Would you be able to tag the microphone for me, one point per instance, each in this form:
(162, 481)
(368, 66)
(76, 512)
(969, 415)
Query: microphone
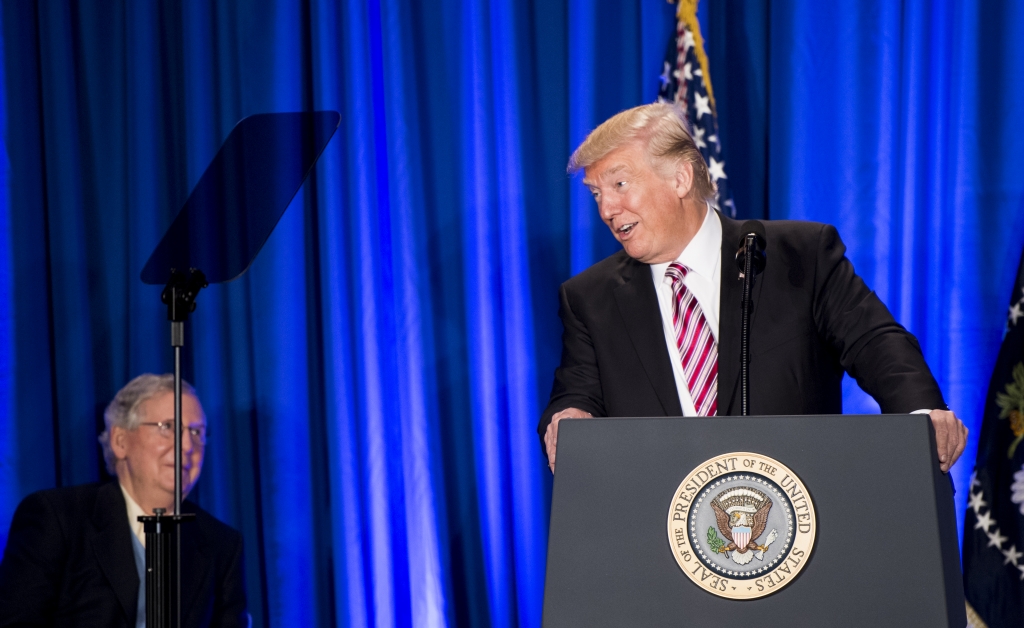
(751, 259)
(756, 229)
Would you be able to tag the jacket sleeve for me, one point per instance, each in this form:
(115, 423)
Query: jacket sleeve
(33, 565)
(872, 347)
(577, 380)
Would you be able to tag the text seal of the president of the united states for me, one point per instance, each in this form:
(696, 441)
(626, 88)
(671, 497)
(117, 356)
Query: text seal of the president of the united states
(741, 525)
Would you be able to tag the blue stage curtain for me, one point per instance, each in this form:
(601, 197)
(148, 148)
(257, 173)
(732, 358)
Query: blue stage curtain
(373, 383)
(899, 123)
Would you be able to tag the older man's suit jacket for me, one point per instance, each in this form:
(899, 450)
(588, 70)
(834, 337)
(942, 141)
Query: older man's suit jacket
(69, 562)
(813, 318)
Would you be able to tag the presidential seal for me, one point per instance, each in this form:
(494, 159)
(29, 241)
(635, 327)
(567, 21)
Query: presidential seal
(741, 525)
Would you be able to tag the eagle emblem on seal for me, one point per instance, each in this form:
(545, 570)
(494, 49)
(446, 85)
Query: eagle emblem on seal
(741, 514)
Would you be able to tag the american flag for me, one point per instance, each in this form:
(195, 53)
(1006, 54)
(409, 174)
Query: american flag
(685, 80)
(993, 550)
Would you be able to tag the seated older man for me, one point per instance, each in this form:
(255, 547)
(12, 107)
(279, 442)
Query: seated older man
(75, 556)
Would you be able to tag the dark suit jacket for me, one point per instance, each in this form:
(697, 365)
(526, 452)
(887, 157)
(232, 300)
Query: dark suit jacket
(69, 562)
(812, 319)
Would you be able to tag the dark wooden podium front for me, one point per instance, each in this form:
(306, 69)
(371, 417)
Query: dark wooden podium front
(886, 551)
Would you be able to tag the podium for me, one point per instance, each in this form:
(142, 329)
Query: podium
(884, 549)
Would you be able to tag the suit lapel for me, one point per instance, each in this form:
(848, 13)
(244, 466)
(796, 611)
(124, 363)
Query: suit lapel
(638, 304)
(113, 547)
(730, 319)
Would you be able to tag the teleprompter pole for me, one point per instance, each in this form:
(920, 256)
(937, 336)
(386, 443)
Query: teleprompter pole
(163, 531)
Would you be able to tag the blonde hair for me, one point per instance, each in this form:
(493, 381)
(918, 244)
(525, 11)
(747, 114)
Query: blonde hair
(665, 135)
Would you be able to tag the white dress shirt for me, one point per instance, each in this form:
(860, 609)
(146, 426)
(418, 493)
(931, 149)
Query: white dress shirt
(703, 257)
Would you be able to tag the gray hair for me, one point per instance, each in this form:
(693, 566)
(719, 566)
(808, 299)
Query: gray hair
(665, 135)
(124, 409)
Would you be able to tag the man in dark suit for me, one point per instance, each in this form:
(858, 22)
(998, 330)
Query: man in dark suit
(75, 556)
(654, 330)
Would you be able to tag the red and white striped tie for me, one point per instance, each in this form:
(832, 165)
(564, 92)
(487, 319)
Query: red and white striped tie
(695, 342)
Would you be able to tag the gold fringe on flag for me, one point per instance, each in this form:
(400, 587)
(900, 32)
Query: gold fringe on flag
(973, 619)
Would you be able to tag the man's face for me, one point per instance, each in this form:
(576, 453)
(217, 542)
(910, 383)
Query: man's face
(148, 451)
(642, 206)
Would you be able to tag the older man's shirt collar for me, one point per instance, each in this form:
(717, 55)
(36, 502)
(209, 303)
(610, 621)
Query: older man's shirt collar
(134, 512)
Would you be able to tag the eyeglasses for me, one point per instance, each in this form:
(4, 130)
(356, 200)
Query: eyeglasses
(166, 429)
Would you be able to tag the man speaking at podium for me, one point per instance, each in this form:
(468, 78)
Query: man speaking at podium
(75, 555)
(654, 330)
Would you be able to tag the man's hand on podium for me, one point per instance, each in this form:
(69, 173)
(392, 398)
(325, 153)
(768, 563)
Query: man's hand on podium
(950, 437)
(551, 435)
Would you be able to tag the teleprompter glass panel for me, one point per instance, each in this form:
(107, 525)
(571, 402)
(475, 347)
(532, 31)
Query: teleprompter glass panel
(242, 195)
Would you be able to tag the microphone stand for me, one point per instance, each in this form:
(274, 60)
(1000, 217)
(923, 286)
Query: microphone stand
(751, 260)
(748, 286)
(163, 531)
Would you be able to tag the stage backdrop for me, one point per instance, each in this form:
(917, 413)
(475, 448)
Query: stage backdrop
(373, 383)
